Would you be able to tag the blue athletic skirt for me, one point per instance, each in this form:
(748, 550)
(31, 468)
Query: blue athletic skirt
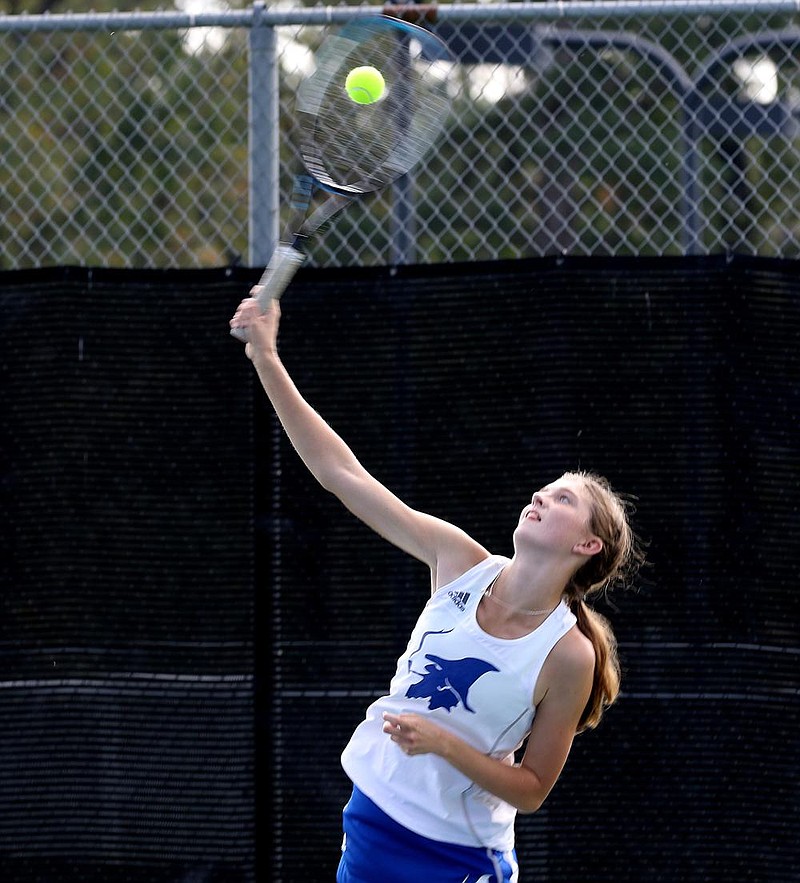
(376, 849)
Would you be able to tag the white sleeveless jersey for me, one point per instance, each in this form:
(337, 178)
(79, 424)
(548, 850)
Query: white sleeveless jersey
(479, 687)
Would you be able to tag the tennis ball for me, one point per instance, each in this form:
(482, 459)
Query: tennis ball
(365, 85)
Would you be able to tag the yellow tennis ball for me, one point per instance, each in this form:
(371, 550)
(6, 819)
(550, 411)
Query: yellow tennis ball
(365, 85)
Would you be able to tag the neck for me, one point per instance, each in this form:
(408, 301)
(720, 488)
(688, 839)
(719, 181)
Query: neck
(524, 591)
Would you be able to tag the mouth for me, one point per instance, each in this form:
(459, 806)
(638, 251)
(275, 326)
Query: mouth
(533, 515)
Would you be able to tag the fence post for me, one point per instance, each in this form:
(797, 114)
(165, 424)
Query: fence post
(263, 140)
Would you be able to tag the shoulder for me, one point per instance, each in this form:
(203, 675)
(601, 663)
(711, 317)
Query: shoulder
(569, 667)
(574, 650)
(457, 559)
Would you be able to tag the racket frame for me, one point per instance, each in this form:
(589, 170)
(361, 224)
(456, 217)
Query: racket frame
(289, 255)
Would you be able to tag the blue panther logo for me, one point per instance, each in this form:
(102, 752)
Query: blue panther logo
(446, 682)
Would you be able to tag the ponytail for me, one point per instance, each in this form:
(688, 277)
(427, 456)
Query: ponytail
(606, 678)
(617, 561)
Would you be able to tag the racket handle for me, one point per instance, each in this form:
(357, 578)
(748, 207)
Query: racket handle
(282, 266)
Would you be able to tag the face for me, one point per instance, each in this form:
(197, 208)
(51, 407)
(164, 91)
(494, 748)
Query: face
(558, 517)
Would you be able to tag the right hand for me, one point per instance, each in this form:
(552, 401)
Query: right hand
(262, 328)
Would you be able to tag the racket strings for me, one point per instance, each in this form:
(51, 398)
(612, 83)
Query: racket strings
(358, 148)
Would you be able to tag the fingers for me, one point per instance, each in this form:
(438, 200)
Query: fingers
(391, 724)
(402, 730)
(249, 311)
(242, 315)
(393, 727)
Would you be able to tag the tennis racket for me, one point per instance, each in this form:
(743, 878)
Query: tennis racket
(348, 149)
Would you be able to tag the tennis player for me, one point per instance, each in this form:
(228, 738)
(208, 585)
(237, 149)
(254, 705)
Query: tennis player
(506, 653)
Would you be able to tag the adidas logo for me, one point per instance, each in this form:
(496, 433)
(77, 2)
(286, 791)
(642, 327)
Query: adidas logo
(459, 599)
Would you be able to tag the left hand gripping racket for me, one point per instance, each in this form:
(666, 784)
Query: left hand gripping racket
(349, 149)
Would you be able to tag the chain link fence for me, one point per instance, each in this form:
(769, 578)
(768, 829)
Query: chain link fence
(656, 128)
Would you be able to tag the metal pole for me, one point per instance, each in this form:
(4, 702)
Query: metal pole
(681, 82)
(263, 140)
(527, 10)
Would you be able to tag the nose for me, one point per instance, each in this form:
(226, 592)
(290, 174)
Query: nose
(538, 500)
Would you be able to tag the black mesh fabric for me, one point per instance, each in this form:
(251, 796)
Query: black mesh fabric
(464, 389)
(146, 736)
(126, 645)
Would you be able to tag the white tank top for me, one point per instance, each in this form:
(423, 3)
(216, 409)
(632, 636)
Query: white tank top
(479, 687)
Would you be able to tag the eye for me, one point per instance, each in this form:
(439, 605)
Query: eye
(565, 498)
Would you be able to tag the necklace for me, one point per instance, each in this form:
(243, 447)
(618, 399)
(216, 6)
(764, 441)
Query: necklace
(488, 594)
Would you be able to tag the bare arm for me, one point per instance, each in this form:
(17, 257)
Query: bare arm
(442, 546)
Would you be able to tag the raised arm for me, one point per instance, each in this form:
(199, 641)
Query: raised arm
(446, 549)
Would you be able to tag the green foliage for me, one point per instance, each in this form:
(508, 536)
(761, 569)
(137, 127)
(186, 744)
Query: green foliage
(128, 149)
(127, 138)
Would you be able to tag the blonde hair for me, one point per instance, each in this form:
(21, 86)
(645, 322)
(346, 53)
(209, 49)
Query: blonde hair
(615, 563)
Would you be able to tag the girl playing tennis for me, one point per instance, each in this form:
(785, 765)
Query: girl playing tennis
(505, 651)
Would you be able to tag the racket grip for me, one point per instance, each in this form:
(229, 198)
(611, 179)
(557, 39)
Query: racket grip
(275, 279)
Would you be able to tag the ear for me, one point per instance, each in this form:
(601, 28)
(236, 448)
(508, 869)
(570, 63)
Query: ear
(588, 547)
